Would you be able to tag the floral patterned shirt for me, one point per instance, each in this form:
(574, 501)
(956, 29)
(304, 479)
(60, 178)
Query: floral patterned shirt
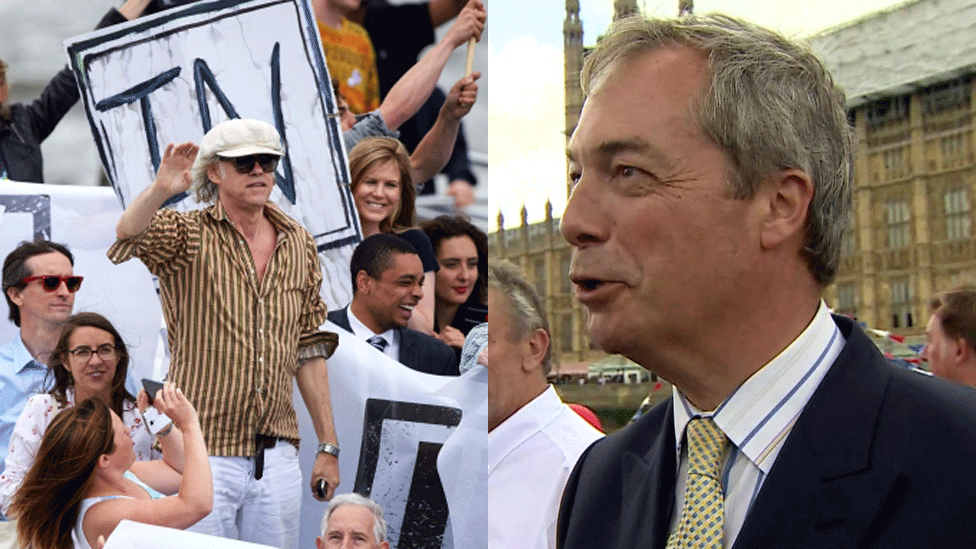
(26, 439)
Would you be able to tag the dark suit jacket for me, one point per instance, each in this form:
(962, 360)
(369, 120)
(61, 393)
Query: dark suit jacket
(418, 351)
(881, 456)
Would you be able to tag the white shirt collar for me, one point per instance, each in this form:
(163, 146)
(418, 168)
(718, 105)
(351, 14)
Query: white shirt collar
(391, 336)
(518, 427)
(761, 412)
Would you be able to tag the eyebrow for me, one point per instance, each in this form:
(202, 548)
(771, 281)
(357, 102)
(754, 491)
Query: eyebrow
(633, 144)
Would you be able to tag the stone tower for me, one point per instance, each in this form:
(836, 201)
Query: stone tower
(624, 8)
(573, 61)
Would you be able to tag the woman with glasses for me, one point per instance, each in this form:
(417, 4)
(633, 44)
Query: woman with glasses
(89, 360)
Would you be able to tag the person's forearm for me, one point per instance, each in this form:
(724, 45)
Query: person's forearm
(413, 88)
(173, 451)
(140, 212)
(133, 8)
(434, 150)
(313, 384)
(196, 490)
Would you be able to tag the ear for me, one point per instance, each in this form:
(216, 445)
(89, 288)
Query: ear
(538, 343)
(362, 281)
(963, 352)
(104, 461)
(14, 294)
(213, 173)
(788, 198)
(318, 543)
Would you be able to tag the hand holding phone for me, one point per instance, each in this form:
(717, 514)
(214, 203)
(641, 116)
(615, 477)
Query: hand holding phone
(156, 421)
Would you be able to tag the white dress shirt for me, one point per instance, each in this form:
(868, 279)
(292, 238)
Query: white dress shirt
(530, 456)
(391, 336)
(758, 417)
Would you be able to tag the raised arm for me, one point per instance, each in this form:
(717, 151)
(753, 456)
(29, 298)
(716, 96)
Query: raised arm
(434, 150)
(172, 178)
(195, 497)
(413, 88)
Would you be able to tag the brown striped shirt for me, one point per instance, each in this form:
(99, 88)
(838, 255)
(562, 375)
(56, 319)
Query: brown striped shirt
(235, 343)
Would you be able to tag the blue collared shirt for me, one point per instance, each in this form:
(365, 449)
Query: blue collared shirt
(21, 377)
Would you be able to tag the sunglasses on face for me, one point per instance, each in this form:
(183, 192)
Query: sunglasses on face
(51, 283)
(244, 164)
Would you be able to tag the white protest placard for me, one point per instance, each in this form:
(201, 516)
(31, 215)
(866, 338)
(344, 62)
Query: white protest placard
(84, 219)
(170, 77)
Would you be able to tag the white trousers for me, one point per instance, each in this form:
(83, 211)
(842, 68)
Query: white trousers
(265, 511)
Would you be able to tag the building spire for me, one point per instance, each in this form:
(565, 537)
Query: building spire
(573, 62)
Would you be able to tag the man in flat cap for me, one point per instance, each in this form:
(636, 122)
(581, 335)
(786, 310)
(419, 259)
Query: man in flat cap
(239, 282)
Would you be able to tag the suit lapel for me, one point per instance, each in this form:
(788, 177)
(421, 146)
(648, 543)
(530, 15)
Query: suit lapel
(408, 353)
(648, 489)
(823, 483)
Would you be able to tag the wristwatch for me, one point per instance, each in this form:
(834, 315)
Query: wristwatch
(328, 448)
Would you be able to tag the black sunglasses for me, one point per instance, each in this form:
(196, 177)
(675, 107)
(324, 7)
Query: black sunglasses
(51, 283)
(244, 164)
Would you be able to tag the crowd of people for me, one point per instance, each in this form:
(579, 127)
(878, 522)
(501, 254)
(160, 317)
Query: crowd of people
(240, 288)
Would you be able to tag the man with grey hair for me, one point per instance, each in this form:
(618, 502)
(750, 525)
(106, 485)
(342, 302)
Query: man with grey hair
(712, 181)
(352, 520)
(533, 438)
(239, 283)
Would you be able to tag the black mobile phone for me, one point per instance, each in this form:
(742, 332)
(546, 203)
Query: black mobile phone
(152, 387)
(321, 487)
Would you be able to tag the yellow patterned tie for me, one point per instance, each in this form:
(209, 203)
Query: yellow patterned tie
(702, 521)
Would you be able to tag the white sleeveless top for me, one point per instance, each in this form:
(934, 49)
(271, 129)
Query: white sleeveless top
(81, 542)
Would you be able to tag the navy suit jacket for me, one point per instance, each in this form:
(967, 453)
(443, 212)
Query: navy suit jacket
(418, 351)
(881, 456)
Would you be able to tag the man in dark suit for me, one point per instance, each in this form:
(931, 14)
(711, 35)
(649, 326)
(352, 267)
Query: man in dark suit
(712, 173)
(386, 279)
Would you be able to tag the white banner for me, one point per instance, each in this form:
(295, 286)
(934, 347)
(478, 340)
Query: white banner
(411, 441)
(170, 77)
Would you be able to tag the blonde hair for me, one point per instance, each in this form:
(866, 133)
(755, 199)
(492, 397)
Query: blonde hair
(373, 151)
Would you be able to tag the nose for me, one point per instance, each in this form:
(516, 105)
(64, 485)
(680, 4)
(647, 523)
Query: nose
(465, 273)
(417, 291)
(63, 289)
(583, 221)
(256, 168)
(95, 359)
(924, 354)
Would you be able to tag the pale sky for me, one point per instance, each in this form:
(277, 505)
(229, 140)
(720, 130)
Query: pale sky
(526, 146)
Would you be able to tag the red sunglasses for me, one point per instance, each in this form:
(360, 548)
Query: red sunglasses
(51, 283)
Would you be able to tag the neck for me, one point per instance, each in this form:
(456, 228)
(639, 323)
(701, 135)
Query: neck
(108, 482)
(250, 222)
(369, 229)
(706, 388)
(82, 394)
(40, 339)
(363, 315)
(522, 394)
(326, 14)
(444, 313)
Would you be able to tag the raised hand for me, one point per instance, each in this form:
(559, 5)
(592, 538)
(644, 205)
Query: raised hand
(461, 97)
(469, 23)
(173, 176)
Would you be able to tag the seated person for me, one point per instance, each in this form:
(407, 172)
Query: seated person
(89, 360)
(460, 295)
(86, 478)
(387, 276)
(352, 520)
(384, 197)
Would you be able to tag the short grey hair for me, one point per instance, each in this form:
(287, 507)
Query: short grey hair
(352, 498)
(770, 104)
(527, 311)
